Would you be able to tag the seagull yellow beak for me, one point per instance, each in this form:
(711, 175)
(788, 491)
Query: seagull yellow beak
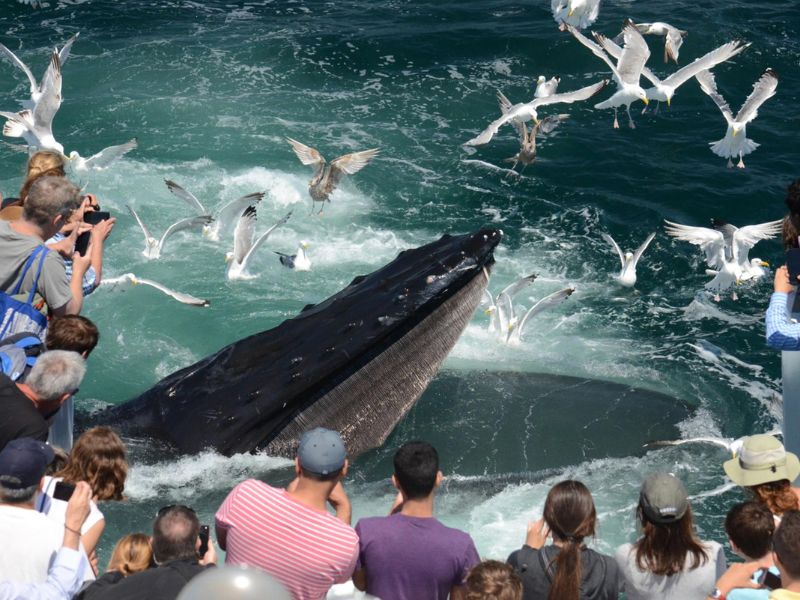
(735, 132)
(669, 102)
(764, 263)
(646, 101)
(571, 11)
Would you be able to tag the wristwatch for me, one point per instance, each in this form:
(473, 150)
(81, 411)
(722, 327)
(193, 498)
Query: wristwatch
(717, 594)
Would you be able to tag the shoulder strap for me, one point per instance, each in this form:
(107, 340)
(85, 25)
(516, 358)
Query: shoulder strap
(25, 268)
(547, 564)
(35, 285)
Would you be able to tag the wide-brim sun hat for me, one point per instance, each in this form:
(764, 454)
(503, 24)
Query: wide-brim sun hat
(762, 459)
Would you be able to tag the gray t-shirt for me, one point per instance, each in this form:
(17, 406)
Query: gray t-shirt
(15, 248)
(687, 585)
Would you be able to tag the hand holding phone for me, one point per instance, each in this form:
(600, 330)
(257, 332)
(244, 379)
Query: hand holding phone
(203, 535)
(793, 264)
(63, 491)
(92, 218)
(769, 580)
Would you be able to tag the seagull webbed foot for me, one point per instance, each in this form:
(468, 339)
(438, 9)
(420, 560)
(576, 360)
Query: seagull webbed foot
(740, 164)
(730, 163)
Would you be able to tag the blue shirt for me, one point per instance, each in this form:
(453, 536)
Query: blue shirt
(64, 579)
(782, 334)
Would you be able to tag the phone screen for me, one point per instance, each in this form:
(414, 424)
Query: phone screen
(63, 491)
(93, 218)
(770, 580)
(793, 264)
(204, 533)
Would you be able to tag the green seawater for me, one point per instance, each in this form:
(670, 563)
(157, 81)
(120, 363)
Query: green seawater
(211, 89)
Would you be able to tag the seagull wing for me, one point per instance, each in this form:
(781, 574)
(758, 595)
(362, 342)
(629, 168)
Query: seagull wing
(615, 51)
(746, 237)
(616, 247)
(512, 290)
(711, 241)
(306, 154)
(63, 54)
(709, 85)
(551, 122)
(673, 43)
(505, 106)
(583, 93)
(486, 299)
(190, 223)
(634, 55)
(705, 62)
(262, 238)
(187, 197)
(352, 163)
(485, 136)
(640, 250)
(180, 297)
(50, 101)
(595, 48)
(106, 156)
(113, 281)
(545, 303)
(723, 443)
(244, 233)
(234, 209)
(145, 231)
(16, 61)
(763, 90)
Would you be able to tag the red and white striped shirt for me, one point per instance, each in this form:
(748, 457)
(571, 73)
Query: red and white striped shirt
(306, 550)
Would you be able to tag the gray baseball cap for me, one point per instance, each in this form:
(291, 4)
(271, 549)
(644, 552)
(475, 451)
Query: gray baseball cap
(321, 451)
(663, 498)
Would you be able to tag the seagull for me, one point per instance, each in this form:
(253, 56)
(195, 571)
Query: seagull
(664, 90)
(731, 445)
(226, 218)
(153, 247)
(735, 142)
(546, 87)
(726, 248)
(627, 276)
(673, 37)
(36, 125)
(626, 72)
(103, 159)
(577, 13)
(516, 328)
(501, 308)
(298, 261)
(327, 176)
(36, 88)
(243, 245)
(131, 279)
(524, 112)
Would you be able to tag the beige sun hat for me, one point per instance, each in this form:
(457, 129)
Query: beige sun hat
(762, 459)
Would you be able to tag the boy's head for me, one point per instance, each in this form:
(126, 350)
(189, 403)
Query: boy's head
(74, 333)
(786, 546)
(416, 470)
(750, 526)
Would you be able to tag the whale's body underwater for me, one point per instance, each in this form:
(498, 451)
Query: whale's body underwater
(356, 362)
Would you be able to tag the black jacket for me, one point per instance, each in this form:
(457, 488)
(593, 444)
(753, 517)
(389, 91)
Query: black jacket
(536, 568)
(161, 583)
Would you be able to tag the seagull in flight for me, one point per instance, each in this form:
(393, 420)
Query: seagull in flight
(524, 112)
(626, 72)
(735, 142)
(546, 87)
(103, 159)
(243, 245)
(629, 260)
(131, 279)
(516, 327)
(327, 175)
(577, 13)
(298, 261)
(726, 248)
(226, 218)
(673, 37)
(501, 307)
(153, 247)
(734, 446)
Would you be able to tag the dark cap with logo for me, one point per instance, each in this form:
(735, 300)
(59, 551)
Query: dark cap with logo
(663, 498)
(23, 463)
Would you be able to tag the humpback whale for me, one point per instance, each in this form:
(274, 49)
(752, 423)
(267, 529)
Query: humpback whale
(357, 362)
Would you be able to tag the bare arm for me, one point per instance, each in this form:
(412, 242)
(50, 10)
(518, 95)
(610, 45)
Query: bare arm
(458, 592)
(360, 579)
(341, 503)
(92, 536)
(79, 266)
(100, 233)
(222, 535)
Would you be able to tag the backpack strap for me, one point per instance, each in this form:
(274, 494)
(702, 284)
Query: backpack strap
(35, 285)
(28, 263)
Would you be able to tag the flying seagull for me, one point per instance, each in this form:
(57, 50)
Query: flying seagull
(578, 13)
(546, 87)
(673, 37)
(629, 260)
(131, 279)
(626, 72)
(243, 245)
(226, 218)
(516, 328)
(153, 247)
(327, 176)
(735, 142)
(298, 261)
(726, 248)
(103, 159)
(524, 112)
(501, 307)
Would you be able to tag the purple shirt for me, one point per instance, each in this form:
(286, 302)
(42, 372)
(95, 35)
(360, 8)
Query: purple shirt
(413, 558)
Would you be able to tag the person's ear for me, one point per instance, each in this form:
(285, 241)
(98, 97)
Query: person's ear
(297, 466)
(41, 484)
(85, 354)
(439, 478)
(395, 484)
(345, 466)
(64, 398)
(58, 221)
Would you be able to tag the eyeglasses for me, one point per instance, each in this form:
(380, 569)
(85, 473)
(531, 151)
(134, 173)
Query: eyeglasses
(75, 391)
(164, 509)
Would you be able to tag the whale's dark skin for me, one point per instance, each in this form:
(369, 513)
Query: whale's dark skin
(356, 362)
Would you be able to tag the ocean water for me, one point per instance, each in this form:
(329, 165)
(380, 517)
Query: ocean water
(211, 89)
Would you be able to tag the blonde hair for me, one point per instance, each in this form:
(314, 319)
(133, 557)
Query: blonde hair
(44, 163)
(98, 457)
(132, 554)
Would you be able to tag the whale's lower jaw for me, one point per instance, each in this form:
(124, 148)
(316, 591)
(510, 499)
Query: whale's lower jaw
(367, 406)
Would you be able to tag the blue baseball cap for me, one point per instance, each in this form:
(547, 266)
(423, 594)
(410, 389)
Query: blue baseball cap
(321, 451)
(23, 462)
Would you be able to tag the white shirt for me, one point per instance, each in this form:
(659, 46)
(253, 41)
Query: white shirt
(63, 581)
(61, 426)
(57, 509)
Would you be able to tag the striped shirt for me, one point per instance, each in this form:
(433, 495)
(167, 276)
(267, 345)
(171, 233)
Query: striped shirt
(306, 550)
(782, 334)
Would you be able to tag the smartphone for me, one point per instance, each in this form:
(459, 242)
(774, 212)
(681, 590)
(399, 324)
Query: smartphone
(793, 264)
(203, 535)
(93, 218)
(63, 491)
(769, 580)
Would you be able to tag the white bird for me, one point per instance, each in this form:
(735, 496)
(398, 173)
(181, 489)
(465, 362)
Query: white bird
(524, 112)
(735, 142)
(726, 248)
(516, 327)
(629, 260)
(664, 90)
(243, 245)
(298, 261)
(501, 308)
(36, 125)
(152, 246)
(578, 13)
(626, 72)
(327, 176)
(546, 87)
(673, 37)
(131, 279)
(36, 88)
(103, 159)
(734, 446)
(226, 217)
